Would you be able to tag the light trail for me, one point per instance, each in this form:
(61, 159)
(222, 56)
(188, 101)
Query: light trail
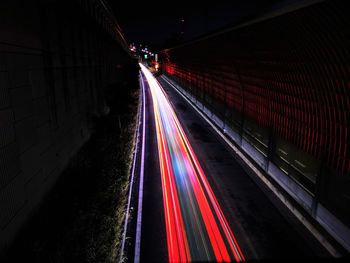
(196, 227)
(142, 167)
(281, 196)
(137, 140)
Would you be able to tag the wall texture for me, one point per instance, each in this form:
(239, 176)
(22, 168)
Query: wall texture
(281, 84)
(56, 58)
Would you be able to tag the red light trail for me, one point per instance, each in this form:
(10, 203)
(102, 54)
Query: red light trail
(196, 228)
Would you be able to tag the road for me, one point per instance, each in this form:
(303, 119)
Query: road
(199, 203)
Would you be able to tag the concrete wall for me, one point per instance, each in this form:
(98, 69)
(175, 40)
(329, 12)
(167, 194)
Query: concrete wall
(55, 61)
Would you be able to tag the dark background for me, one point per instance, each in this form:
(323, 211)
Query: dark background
(159, 24)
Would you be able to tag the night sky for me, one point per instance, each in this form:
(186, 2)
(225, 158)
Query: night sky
(162, 25)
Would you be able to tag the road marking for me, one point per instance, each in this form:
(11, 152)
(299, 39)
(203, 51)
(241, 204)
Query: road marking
(301, 164)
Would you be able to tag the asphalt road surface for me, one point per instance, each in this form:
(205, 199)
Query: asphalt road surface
(199, 203)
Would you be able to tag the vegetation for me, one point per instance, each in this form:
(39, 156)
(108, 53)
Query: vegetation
(82, 218)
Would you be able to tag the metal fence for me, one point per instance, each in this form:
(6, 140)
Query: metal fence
(282, 83)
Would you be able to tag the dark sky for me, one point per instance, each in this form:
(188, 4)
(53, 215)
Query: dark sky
(152, 23)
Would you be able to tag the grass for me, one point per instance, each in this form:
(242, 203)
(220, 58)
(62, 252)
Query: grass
(110, 201)
(81, 219)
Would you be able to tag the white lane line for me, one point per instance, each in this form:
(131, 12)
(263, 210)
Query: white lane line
(329, 247)
(127, 214)
(139, 205)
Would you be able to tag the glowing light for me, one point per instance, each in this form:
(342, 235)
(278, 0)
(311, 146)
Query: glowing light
(196, 227)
